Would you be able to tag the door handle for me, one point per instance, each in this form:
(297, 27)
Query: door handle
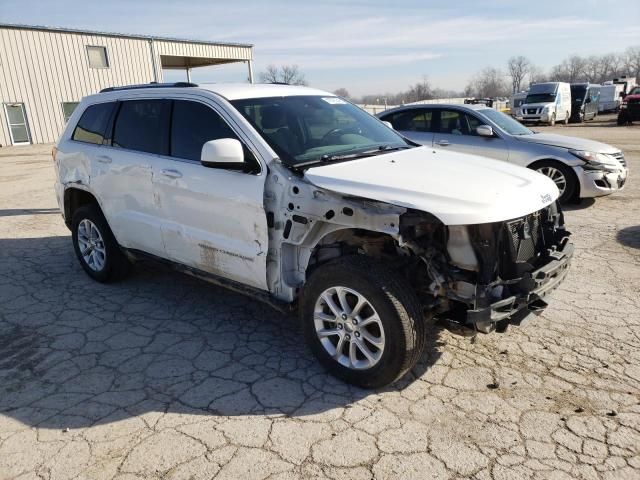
(171, 173)
(104, 159)
(444, 143)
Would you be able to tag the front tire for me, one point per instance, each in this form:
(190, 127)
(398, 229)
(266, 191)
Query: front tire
(552, 122)
(362, 321)
(566, 118)
(96, 248)
(562, 176)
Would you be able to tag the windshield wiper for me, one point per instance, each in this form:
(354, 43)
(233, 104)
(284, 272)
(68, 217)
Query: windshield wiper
(365, 153)
(325, 159)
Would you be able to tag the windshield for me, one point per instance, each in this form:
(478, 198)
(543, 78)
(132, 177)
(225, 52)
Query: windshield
(505, 122)
(634, 91)
(578, 92)
(541, 98)
(305, 129)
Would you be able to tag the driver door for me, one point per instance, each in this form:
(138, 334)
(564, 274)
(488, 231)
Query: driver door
(213, 219)
(456, 130)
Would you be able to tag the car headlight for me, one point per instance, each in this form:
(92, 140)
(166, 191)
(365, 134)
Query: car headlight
(596, 161)
(545, 110)
(623, 105)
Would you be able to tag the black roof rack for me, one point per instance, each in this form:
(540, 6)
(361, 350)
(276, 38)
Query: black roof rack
(150, 85)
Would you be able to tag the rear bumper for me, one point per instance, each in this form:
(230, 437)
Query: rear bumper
(535, 285)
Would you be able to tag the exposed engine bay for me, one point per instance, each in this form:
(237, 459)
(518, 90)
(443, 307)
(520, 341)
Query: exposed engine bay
(477, 274)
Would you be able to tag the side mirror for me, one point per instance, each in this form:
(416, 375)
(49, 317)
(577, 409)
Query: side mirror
(621, 95)
(484, 131)
(587, 100)
(223, 151)
(388, 124)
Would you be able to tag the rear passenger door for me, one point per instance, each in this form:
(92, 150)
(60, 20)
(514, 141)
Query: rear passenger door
(415, 124)
(456, 130)
(122, 173)
(213, 219)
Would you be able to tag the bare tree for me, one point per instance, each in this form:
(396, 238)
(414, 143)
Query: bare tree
(342, 92)
(289, 74)
(270, 75)
(592, 68)
(518, 68)
(420, 91)
(489, 82)
(611, 65)
(536, 75)
(570, 70)
(632, 61)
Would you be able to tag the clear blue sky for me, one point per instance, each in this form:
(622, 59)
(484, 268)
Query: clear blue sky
(371, 46)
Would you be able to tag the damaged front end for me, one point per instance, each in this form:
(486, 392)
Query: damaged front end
(484, 274)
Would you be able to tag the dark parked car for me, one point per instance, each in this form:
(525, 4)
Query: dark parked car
(630, 107)
(585, 98)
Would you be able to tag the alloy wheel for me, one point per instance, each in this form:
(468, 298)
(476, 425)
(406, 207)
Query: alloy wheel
(349, 328)
(91, 245)
(557, 176)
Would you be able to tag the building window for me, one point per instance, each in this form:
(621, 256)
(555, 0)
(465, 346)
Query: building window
(97, 57)
(67, 109)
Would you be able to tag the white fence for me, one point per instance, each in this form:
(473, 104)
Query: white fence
(499, 105)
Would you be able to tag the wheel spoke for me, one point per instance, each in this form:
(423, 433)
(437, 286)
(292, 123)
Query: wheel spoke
(353, 357)
(361, 303)
(342, 298)
(323, 317)
(339, 347)
(327, 332)
(365, 351)
(369, 320)
(331, 304)
(377, 342)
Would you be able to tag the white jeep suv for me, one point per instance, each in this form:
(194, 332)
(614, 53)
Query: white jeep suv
(301, 199)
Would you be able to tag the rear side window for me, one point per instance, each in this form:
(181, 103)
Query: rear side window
(143, 125)
(192, 125)
(415, 120)
(93, 123)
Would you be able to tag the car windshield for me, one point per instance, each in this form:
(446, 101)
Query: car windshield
(308, 129)
(505, 122)
(541, 98)
(634, 91)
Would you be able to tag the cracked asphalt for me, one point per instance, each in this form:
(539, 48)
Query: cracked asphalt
(164, 376)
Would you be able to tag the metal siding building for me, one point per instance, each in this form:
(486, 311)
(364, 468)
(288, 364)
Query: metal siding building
(45, 71)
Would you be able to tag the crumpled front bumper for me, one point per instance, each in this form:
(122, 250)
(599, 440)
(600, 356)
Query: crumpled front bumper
(596, 183)
(535, 285)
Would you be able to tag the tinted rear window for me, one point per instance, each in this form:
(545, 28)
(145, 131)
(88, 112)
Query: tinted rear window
(143, 125)
(93, 123)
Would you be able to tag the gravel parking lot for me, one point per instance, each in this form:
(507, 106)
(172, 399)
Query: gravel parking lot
(164, 376)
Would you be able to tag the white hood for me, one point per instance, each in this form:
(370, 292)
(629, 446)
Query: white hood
(568, 142)
(458, 189)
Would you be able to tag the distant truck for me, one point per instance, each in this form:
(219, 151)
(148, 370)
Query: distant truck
(610, 97)
(627, 82)
(515, 102)
(548, 102)
(630, 107)
(584, 101)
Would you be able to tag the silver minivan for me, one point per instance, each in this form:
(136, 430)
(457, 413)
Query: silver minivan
(580, 168)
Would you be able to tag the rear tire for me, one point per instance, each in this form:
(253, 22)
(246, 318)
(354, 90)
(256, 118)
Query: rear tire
(336, 329)
(96, 248)
(562, 175)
